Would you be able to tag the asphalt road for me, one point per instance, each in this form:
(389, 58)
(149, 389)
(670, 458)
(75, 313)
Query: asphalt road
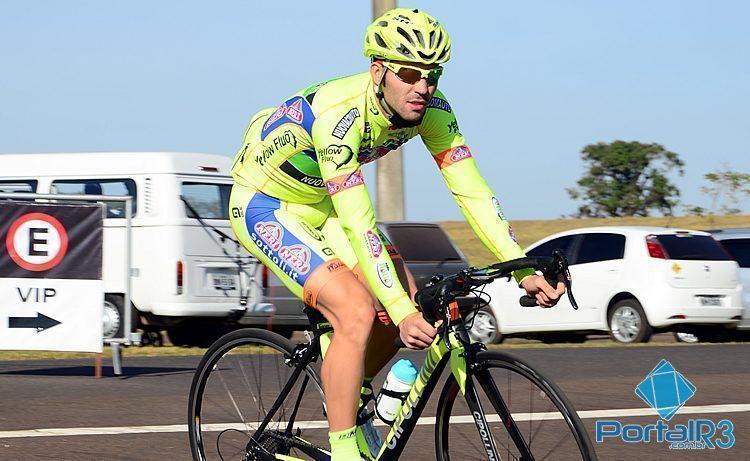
(153, 392)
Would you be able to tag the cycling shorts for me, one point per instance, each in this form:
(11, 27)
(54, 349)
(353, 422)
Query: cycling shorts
(304, 245)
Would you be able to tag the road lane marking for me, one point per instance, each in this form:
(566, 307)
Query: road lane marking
(322, 424)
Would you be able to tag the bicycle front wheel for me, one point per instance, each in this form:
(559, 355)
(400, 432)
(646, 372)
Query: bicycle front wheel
(528, 416)
(234, 388)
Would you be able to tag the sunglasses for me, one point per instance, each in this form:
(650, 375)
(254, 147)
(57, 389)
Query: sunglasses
(412, 75)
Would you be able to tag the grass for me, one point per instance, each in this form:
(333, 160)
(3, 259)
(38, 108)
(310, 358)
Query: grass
(529, 232)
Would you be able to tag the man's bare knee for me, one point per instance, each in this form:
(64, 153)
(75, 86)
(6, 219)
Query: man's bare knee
(349, 307)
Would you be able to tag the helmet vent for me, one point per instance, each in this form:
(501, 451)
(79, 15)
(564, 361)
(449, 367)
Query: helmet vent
(442, 55)
(439, 39)
(405, 51)
(419, 36)
(405, 35)
(426, 56)
(383, 23)
(432, 38)
(379, 40)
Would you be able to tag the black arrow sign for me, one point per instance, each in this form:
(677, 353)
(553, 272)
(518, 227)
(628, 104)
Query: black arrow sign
(40, 322)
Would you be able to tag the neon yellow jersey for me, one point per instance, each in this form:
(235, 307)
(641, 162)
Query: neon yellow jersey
(310, 151)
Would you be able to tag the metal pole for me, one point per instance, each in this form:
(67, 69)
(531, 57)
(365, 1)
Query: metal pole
(389, 169)
(128, 270)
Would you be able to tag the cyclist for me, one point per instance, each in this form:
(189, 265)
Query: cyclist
(300, 205)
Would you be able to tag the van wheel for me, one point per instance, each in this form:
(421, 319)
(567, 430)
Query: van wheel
(484, 327)
(113, 319)
(628, 323)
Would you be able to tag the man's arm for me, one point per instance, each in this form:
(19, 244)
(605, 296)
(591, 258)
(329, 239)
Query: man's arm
(343, 177)
(482, 210)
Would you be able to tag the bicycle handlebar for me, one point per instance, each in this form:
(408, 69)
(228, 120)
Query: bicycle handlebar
(437, 294)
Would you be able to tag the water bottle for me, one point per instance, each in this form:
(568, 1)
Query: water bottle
(396, 387)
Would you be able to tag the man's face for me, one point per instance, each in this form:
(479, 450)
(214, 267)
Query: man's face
(409, 101)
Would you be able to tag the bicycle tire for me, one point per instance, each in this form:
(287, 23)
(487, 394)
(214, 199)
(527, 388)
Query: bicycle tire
(238, 338)
(500, 360)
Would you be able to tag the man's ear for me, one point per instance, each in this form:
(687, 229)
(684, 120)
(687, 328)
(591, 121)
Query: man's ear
(376, 71)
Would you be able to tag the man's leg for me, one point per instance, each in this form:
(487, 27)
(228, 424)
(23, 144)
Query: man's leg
(299, 255)
(349, 307)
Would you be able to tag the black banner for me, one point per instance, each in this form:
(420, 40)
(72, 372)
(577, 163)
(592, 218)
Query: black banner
(54, 241)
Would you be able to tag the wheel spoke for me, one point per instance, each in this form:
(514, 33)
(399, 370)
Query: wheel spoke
(538, 414)
(234, 379)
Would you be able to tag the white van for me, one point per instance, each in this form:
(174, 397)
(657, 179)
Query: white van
(181, 270)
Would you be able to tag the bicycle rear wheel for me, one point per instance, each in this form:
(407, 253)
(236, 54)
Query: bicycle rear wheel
(541, 417)
(233, 389)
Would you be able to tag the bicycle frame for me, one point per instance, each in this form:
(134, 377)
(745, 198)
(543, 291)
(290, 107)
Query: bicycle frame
(454, 347)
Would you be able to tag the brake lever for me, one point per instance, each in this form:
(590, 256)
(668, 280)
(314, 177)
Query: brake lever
(563, 275)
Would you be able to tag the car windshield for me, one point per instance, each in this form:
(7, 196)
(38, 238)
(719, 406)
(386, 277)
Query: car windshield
(692, 247)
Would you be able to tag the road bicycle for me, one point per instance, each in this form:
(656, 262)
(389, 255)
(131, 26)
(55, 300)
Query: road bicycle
(492, 405)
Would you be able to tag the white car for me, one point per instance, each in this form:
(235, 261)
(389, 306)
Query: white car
(629, 281)
(737, 243)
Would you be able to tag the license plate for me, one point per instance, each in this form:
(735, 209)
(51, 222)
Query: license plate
(707, 301)
(224, 282)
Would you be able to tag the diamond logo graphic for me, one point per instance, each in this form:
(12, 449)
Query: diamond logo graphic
(665, 390)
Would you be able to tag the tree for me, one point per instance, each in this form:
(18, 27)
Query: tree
(626, 179)
(725, 189)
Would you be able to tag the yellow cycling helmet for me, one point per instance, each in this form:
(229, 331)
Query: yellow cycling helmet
(411, 35)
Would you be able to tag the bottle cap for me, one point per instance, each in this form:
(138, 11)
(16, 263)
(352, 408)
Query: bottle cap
(405, 371)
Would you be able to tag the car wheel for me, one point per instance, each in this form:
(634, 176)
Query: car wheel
(484, 327)
(628, 323)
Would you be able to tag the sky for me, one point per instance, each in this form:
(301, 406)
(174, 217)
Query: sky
(531, 82)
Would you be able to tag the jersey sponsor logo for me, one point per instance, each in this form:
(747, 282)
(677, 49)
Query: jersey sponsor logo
(332, 187)
(297, 256)
(335, 265)
(294, 112)
(271, 233)
(385, 275)
(439, 103)
(460, 153)
(394, 141)
(374, 244)
(338, 155)
(450, 156)
(310, 181)
(512, 234)
(287, 138)
(346, 122)
(280, 112)
(266, 153)
(336, 185)
(498, 208)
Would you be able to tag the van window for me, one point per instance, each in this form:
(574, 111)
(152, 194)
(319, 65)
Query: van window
(600, 247)
(122, 187)
(21, 185)
(692, 247)
(210, 200)
(739, 249)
